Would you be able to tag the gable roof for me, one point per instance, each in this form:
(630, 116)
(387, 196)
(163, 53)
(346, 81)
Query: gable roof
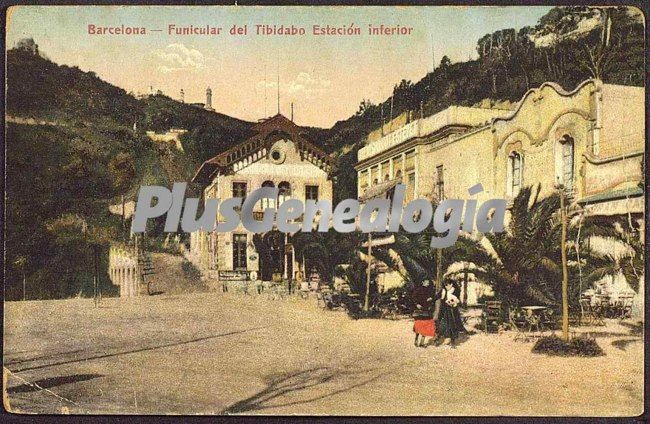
(248, 151)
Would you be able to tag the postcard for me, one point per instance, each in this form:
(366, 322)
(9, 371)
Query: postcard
(325, 210)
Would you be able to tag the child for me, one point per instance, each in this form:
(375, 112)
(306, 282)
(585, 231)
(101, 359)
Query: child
(423, 326)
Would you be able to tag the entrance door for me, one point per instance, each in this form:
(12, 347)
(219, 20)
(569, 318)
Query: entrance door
(273, 261)
(239, 252)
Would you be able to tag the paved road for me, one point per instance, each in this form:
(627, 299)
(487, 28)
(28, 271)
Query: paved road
(215, 353)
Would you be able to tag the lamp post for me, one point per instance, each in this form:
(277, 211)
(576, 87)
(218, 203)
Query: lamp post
(21, 263)
(565, 273)
(366, 301)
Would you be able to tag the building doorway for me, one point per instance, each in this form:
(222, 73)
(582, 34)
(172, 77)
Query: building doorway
(273, 261)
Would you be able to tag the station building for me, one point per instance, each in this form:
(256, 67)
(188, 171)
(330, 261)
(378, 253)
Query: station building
(280, 155)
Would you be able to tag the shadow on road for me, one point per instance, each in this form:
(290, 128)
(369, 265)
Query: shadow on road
(636, 328)
(144, 349)
(48, 383)
(38, 358)
(622, 344)
(286, 384)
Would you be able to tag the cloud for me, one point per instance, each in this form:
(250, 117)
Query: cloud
(178, 57)
(303, 84)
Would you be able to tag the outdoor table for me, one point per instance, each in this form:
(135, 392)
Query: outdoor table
(533, 316)
(534, 308)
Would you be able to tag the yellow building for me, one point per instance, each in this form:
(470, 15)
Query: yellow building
(277, 155)
(591, 140)
(437, 157)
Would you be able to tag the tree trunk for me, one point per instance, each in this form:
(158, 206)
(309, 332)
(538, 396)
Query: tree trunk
(438, 269)
(366, 301)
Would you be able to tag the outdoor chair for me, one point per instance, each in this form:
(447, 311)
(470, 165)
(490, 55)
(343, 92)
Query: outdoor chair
(591, 314)
(626, 303)
(518, 323)
(323, 295)
(549, 320)
(277, 291)
(492, 315)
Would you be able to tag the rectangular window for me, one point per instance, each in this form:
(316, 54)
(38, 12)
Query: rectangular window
(410, 187)
(385, 171)
(311, 192)
(409, 161)
(374, 175)
(397, 167)
(239, 252)
(239, 189)
(363, 180)
(440, 183)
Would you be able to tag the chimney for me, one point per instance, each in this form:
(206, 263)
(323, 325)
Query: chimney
(182, 96)
(291, 111)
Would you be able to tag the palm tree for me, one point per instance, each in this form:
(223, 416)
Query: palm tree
(412, 256)
(327, 250)
(629, 260)
(522, 264)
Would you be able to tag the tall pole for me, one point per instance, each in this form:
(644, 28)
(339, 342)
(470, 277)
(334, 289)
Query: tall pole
(565, 274)
(135, 281)
(367, 298)
(438, 269)
(123, 216)
(433, 56)
(465, 284)
(95, 293)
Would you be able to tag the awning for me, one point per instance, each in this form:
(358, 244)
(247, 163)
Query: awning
(615, 194)
(380, 190)
(623, 206)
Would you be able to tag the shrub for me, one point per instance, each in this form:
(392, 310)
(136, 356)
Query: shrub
(577, 346)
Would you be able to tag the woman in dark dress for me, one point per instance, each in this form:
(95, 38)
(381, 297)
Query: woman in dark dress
(450, 323)
(423, 326)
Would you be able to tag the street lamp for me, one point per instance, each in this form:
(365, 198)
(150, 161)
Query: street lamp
(565, 273)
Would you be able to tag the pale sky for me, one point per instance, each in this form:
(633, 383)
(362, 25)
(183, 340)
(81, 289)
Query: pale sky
(325, 76)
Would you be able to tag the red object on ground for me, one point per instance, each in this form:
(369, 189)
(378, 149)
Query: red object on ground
(425, 327)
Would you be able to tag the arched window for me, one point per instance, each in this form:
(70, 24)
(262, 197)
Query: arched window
(375, 181)
(566, 151)
(284, 192)
(514, 173)
(268, 203)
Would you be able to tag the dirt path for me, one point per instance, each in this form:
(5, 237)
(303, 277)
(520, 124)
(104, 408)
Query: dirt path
(210, 353)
